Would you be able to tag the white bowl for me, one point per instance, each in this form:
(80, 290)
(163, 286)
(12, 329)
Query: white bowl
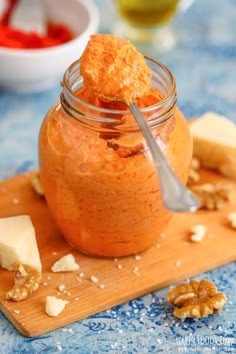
(24, 70)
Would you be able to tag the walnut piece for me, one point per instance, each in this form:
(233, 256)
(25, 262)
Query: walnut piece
(26, 282)
(125, 147)
(196, 299)
(213, 196)
(194, 175)
(36, 184)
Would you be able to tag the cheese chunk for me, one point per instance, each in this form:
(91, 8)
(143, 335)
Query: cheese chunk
(214, 143)
(65, 264)
(18, 243)
(54, 306)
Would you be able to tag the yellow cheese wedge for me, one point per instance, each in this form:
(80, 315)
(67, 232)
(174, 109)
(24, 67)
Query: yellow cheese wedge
(214, 143)
(18, 243)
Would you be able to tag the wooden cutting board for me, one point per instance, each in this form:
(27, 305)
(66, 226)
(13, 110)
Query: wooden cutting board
(175, 258)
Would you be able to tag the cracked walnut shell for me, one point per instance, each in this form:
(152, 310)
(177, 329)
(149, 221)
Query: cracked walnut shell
(196, 299)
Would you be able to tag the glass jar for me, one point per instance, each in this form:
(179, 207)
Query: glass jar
(99, 179)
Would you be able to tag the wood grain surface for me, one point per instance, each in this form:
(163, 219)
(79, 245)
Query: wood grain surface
(175, 258)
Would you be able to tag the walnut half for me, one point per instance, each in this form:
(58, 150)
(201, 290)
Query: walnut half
(196, 299)
(213, 196)
(26, 282)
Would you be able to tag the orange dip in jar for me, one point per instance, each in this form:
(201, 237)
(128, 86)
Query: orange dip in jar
(98, 176)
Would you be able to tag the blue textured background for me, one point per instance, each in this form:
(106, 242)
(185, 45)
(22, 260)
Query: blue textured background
(204, 65)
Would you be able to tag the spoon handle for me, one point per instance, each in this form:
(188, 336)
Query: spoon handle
(175, 195)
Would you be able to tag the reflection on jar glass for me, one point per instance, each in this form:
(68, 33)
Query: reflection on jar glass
(98, 177)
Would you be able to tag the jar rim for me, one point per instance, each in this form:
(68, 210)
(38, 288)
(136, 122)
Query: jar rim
(171, 94)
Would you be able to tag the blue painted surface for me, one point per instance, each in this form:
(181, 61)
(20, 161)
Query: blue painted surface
(204, 65)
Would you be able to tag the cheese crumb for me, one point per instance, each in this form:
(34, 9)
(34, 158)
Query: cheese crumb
(198, 233)
(136, 271)
(65, 264)
(94, 279)
(54, 306)
(137, 257)
(16, 311)
(61, 287)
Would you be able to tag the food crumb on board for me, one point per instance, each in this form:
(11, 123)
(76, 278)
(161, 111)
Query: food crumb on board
(61, 287)
(94, 279)
(119, 266)
(198, 233)
(178, 263)
(136, 271)
(16, 311)
(15, 201)
(137, 257)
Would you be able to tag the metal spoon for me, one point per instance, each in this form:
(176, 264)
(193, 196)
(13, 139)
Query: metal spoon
(175, 195)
